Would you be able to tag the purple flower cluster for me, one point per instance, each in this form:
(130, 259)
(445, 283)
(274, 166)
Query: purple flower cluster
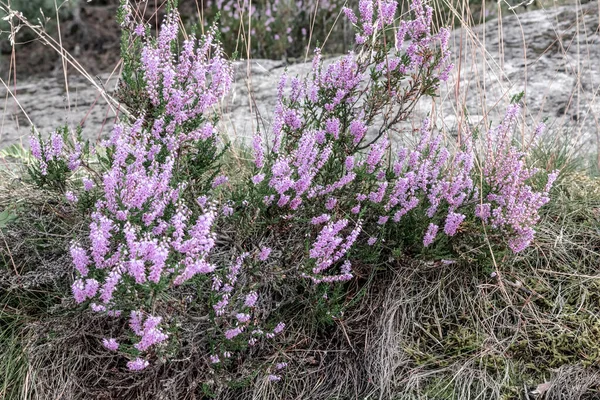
(110, 344)
(428, 176)
(512, 204)
(234, 310)
(408, 58)
(143, 234)
(320, 125)
(329, 247)
(56, 153)
(148, 330)
(187, 86)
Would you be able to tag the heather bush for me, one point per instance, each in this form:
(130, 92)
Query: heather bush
(323, 165)
(151, 228)
(331, 171)
(58, 158)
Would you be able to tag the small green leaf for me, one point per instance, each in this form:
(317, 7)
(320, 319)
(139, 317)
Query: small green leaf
(16, 151)
(7, 216)
(517, 98)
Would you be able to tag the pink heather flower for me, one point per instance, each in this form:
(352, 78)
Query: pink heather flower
(257, 147)
(264, 253)
(71, 197)
(91, 288)
(141, 225)
(84, 290)
(109, 286)
(332, 126)
(242, 318)
(258, 178)
(135, 322)
(35, 147)
(513, 205)
(274, 378)
(140, 30)
(382, 219)
(375, 155)
(430, 235)
(88, 184)
(113, 313)
(78, 289)
(56, 147)
(281, 366)
(97, 307)
(80, 259)
(372, 240)
(227, 211)
(279, 328)
(219, 180)
(357, 130)
(111, 344)
(220, 306)
(483, 211)
(202, 201)
(453, 221)
(350, 15)
(251, 299)
(330, 204)
(214, 359)
(231, 333)
(150, 333)
(387, 10)
(321, 219)
(137, 365)
(365, 8)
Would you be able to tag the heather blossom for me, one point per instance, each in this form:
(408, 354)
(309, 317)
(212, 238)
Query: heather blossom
(111, 344)
(138, 364)
(57, 157)
(430, 235)
(333, 136)
(165, 243)
(264, 253)
(512, 205)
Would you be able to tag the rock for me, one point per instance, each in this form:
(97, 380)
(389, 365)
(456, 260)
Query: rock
(553, 55)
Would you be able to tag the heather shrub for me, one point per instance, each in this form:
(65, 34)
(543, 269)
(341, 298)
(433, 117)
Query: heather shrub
(331, 178)
(330, 158)
(58, 158)
(151, 228)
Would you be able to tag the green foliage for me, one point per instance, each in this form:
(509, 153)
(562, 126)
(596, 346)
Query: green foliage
(280, 29)
(6, 217)
(54, 170)
(17, 152)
